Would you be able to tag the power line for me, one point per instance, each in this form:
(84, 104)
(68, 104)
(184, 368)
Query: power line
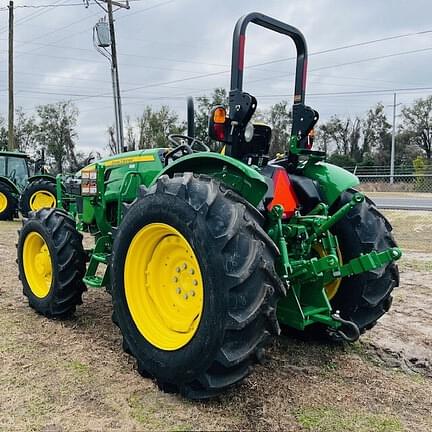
(320, 68)
(89, 17)
(354, 45)
(30, 17)
(55, 5)
(279, 76)
(322, 94)
(82, 96)
(52, 6)
(63, 47)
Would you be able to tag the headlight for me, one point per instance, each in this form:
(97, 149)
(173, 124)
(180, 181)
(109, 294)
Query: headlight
(249, 132)
(88, 183)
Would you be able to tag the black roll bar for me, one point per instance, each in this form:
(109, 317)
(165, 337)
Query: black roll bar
(190, 118)
(238, 53)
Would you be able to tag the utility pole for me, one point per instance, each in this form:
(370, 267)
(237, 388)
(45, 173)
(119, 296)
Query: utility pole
(392, 153)
(116, 82)
(11, 137)
(103, 42)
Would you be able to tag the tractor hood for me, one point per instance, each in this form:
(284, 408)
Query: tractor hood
(128, 158)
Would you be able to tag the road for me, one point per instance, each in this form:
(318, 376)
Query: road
(402, 201)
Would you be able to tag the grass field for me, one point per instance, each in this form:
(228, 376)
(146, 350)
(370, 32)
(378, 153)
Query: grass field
(74, 376)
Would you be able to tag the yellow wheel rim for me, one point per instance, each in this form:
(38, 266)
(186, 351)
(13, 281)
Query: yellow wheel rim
(3, 202)
(42, 199)
(37, 264)
(332, 287)
(163, 286)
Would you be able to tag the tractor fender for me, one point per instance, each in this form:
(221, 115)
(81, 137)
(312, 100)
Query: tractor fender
(11, 184)
(243, 179)
(42, 176)
(333, 180)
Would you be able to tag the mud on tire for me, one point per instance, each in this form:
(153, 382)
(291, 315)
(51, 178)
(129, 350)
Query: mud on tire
(241, 287)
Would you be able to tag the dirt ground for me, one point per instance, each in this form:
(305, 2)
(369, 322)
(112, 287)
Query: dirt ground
(73, 375)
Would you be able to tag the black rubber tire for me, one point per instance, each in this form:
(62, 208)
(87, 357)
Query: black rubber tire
(364, 298)
(35, 186)
(68, 260)
(241, 287)
(9, 212)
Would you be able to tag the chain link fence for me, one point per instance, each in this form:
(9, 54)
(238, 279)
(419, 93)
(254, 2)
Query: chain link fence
(404, 179)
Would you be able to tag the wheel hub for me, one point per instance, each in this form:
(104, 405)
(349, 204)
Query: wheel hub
(42, 199)
(43, 262)
(166, 302)
(37, 264)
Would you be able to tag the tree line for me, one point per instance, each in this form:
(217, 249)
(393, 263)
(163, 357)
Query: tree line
(348, 141)
(51, 130)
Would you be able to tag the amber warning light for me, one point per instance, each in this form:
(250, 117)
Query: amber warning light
(218, 118)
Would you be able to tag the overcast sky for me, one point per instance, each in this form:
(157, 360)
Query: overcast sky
(161, 41)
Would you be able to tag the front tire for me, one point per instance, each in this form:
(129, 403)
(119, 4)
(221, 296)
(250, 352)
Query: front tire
(364, 298)
(238, 285)
(38, 194)
(51, 263)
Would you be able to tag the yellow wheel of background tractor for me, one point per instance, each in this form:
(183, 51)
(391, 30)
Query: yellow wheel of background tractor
(38, 194)
(3, 202)
(51, 262)
(42, 199)
(8, 202)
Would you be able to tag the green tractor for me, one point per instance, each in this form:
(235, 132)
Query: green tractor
(206, 255)
(20, 190)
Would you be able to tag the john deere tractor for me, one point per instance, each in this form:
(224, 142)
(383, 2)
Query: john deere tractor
(206, 255)
(19, 189)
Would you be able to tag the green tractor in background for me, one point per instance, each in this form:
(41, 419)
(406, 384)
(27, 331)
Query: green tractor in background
(206, 255)
(22, 190)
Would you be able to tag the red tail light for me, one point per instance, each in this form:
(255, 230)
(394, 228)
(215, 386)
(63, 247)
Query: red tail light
(284, 193)
(219, 131)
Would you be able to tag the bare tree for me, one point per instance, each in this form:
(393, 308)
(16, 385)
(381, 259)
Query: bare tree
(417, 122)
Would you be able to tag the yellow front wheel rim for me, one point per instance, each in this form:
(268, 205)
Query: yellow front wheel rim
(163, 286)
(37, 264)
(3, 202)
(42, 199)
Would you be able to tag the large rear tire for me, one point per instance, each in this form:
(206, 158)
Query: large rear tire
(51, 263)
(192, 223)
(366, 297)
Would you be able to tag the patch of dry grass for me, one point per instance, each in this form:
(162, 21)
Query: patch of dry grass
(412, 229)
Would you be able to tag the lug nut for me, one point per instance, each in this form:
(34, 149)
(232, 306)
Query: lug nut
(192, 271)
(175, 279)
(178, 290)
(178, 269)
(195, 282)
(185, 296)
(184, 266)
(192, 293)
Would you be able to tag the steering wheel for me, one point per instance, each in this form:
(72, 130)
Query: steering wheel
(178, 140)
(181, 147)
